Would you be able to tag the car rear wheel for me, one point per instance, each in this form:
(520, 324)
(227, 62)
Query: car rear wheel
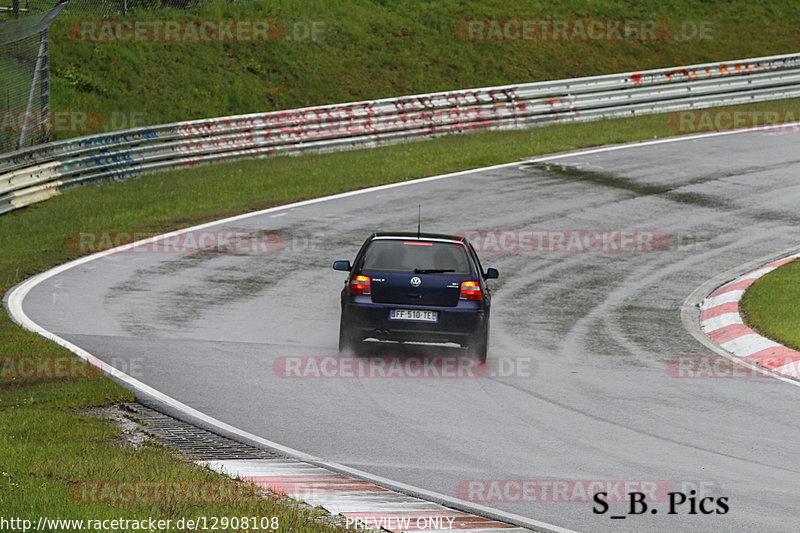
(348, 342)
(478, 344)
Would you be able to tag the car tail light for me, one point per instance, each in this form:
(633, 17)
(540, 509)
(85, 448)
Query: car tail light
(470, 290)
(360, 285)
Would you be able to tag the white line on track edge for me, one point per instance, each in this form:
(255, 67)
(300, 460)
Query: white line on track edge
(14, 298)
(664, 140)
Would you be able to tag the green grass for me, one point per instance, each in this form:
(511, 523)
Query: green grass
(771, 305)
(369, 50)
(56, 464)
(375, 49)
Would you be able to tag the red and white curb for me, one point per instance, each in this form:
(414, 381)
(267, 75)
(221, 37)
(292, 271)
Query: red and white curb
(721, 322)
(363, 504)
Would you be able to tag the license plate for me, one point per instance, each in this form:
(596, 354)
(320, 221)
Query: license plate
(412, 314)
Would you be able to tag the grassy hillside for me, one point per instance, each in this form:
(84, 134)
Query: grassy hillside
(329, 52)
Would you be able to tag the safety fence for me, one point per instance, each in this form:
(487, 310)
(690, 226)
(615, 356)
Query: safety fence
(25, 79)
(110, 8)
(34, 174)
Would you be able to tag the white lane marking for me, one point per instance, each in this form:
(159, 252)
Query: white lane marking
(377, 497)
(721, 321)
(266, 467)
(17, 295)
(344, 506)
(789, 369)
(747, 345)
(637, 144)
(758, 273)
(328, 494)
(490, 530)
(724, 298)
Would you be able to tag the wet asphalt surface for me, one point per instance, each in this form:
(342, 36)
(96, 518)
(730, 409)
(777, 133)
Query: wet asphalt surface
(580, 347)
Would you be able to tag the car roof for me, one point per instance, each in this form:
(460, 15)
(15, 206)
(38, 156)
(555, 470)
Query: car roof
(419, 236)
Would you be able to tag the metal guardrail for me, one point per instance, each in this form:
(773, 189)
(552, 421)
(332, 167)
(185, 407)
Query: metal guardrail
(34, 174)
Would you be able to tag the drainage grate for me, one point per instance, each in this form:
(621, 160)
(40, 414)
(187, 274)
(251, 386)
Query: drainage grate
(192, 442)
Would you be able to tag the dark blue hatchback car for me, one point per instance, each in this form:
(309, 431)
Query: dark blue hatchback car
(416, 287)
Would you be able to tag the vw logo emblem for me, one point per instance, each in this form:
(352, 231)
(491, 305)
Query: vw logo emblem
(415, 281)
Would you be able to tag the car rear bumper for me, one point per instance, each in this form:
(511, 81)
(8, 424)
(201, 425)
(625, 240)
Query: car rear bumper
(366, 319)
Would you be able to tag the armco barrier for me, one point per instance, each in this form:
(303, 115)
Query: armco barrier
(36, 173)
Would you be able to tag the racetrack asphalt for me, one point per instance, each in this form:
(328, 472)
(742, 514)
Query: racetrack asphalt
(582, 349)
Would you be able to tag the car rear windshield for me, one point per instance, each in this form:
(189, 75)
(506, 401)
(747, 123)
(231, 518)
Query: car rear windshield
(414, 256)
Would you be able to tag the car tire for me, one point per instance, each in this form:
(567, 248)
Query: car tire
(347, 340)
(478, 344)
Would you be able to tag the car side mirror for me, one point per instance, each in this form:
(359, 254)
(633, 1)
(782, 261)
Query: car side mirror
(491, 273)
(342, 265)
